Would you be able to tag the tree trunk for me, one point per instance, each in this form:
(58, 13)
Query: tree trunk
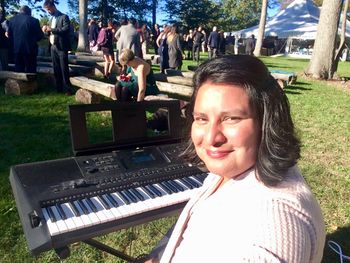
(82, 39)
(154, 11)
(341, 46)
(322, 60)
(260, 37)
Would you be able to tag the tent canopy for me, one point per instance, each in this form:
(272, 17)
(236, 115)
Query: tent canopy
(298, 20)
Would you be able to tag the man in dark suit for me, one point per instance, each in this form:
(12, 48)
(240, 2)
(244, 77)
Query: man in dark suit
(213, 43)
(24, 32)
(59, 36)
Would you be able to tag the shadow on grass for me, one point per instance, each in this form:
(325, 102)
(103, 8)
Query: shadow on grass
(340, 236)
(293, 87)
(292, 92)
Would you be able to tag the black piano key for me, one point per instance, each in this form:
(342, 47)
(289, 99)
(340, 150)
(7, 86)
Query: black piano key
(177, 185)
(61, 212)
(155, 190)
(173, 188)
(148, 191)
(186, 183)
(125, 198)
(51, 214)
(104, 202)
(74, 208)
(137, 194)
(130, 195)
(112, 200)
(91, 205)
(165, 187)
(83, 207)
(200, 177)
(193, 182)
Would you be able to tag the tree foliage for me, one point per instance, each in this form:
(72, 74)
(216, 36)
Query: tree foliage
(193, 13)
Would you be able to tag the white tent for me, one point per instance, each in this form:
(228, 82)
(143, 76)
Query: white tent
(299, 21)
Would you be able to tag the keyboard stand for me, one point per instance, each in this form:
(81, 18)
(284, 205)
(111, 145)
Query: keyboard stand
(110, 250)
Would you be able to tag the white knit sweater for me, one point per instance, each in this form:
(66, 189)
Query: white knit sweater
(245, 221)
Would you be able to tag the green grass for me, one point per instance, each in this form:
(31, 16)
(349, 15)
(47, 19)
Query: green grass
(35, 128)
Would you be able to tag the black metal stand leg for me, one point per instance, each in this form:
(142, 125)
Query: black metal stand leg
(108, 249)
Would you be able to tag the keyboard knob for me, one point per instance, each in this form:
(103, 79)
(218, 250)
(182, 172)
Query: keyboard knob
(34, 220)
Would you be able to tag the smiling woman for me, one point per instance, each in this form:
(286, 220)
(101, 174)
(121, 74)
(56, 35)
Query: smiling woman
(254, 205)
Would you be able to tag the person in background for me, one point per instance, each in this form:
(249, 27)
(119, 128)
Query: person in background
(128, 37)
(213, 43)
(59, 37)
(230, 42)
(138, 80)
(250, 45)
(222, 43)
(105, 41)
(174, 48)
(4, 43)
(189, 44)
(198, 39)
(155, 35)
(163, 50)
(92, 34)
(254, 205)
(24, 32)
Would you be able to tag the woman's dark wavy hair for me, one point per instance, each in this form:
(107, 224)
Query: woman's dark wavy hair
(279, 147)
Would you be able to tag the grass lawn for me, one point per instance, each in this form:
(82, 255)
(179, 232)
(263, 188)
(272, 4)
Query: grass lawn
(35, 128)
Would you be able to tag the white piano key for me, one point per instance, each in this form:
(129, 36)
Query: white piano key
(84, 218)
(148, 200)
(70, 214)
(69, 220)
(122, 206)
(104, 214)
(61, 225)
(53, 229)
(116, 212)
(93, 217)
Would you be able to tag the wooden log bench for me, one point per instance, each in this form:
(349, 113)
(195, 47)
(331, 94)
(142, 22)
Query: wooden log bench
(18, 83)
(173, 79)
(91, 90)
(174, 72)
(284, 78)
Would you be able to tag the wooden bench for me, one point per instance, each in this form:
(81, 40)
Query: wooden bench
(18, 83)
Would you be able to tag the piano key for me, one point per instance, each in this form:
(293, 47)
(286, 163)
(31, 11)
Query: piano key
(68, 220)
(51, 214)
(194, 182)
(103, 202)
(74, 209)
(201, 177)
(61, 225)
(175, 184)
(53, 229)
(197, 178)
(116, 211)
(186, 183)
(112, 200)
(155, 190)
(83, 207)
(148, 191)
(165, 188)
(84, 217)
(147, 200)
(61, 212)
(170, 186)
(67, 208)
(130, 195)
(137, 194)
(122, 205)
(91, 205)
(102, 214)
(124, 197)
(91, 214)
